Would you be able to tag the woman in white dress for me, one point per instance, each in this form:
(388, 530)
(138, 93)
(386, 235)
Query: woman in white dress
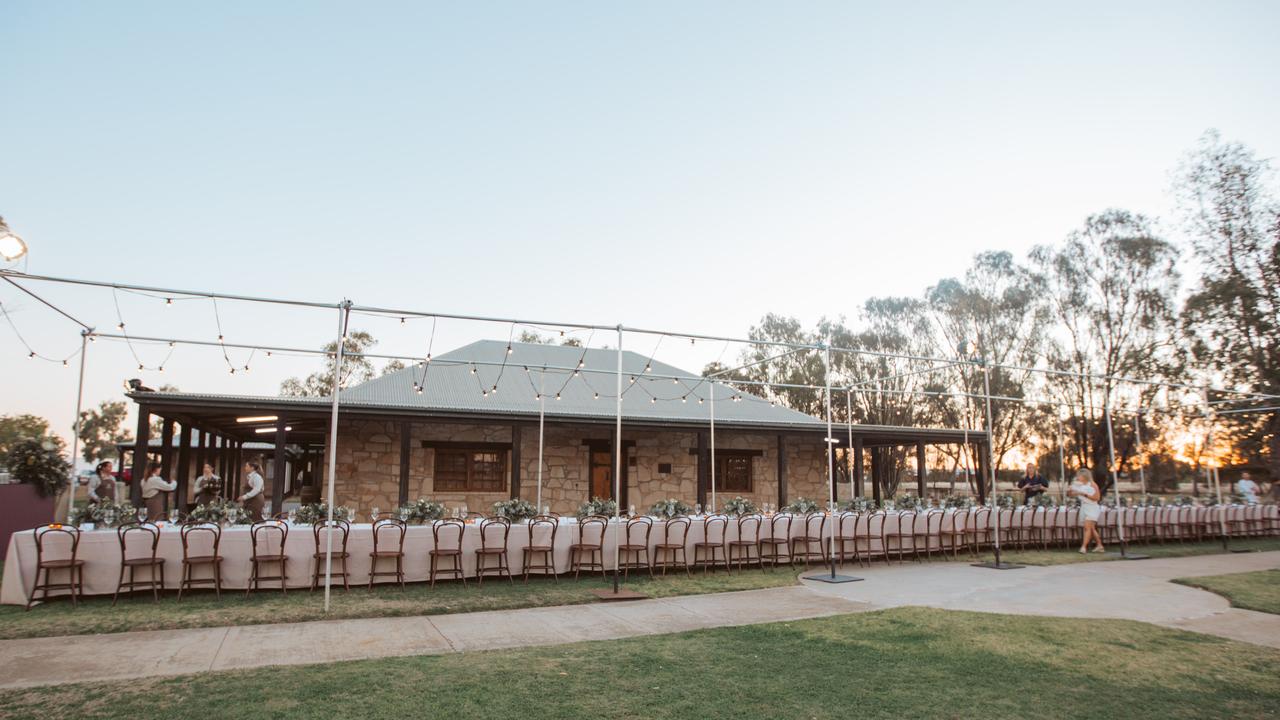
(1087, 490)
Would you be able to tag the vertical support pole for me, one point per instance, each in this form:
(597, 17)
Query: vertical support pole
(1142, 471)
(831, 442)
(703, 470)
(344, 309)
(542, 439)
(166, 454)
(235, 465)
(1211, 473)
(200, 452)
(618, 528)
(184, 468)
(1062, 463)
(980, 451)
(877, 459)
(854, 489)
(75, 429)
(858, 470)
(711, 399)
(278, 466)
(220, 451)
(921, 471)
(516, 467)
(991, 466)
(140, 443)
(782, 471)
(405, 435)
(1115, 477)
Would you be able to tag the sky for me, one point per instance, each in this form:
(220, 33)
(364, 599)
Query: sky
(673, 165)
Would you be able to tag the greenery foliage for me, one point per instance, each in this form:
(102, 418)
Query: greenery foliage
(422, 510)
(103, 514)
(669, 508)
(803, 505)
(318, 513)
(515, 509)
(219, 511)
(39, 463)
(739, 506)
(596, 506)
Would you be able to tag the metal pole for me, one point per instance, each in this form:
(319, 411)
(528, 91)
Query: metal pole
(1211, 473)
(991, 460)
(617, 467)
(830, 443)
(1222, 509)
(848, 451)
(711, 397)
(1115, 478)
(1062, 464)
(542, 410)
(1142, 472)
(75, 433)
(344, 311)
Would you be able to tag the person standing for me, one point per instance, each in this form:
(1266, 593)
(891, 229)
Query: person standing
(1248, 488)
(1032, 484)
(153, 490)
(102, 484)
(208, 486)
(1087, 490)
(252, 499)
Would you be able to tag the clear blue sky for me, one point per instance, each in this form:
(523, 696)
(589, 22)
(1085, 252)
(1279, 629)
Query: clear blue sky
(682, 165)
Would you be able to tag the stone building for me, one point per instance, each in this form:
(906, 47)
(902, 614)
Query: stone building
(492, 421)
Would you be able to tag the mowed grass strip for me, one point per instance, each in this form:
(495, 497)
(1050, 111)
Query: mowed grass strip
(1069, 556)
(203, 609)
(901, 663)
(1251, 590)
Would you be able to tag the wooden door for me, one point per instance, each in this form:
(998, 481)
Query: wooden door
(601, 474)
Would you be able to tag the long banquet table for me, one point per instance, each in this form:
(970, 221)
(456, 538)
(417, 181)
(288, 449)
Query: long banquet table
(100, 549)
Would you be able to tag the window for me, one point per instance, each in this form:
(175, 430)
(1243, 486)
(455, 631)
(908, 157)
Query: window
(734, 472)
(470, 470)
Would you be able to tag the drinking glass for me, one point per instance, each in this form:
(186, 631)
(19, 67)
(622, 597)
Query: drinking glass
(697, 508)
(173, 515)
(546, 509)
(403, 515)
(631, 510)
(142, 514)
(373, 516)
(464, 509)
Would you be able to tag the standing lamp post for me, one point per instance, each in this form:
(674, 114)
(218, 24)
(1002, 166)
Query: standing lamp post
(971, 351)
(830, 442)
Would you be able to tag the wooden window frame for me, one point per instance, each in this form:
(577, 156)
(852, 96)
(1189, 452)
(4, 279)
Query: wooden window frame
(470, 482)
(723, 457)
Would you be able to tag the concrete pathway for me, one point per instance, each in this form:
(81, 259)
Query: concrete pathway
(1136, 590)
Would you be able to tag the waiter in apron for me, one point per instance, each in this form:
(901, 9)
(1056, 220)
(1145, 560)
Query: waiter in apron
(153, 490)
(102, 484)
(252, 499)
(208, 486)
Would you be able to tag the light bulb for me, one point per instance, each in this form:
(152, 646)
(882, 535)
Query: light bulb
(246, 368)
(31, 355)
(646, 367)
(576, 373)
(168, 301)
(684, 399)
(233, 371)
(508, 349)
(171, 343)
(633, 381)
(120, 326)
(473, 369)
(139, 366)
(268, 353)
(161, 368)
(699, 401)
(580, 363)
(653, 400)
(419, 389)
(597, 396)
(401, 321)
(537, 396)
(64, 364)
(484, 393)
(557, 396)
(674, 381)
(220, 337)
(494, 390)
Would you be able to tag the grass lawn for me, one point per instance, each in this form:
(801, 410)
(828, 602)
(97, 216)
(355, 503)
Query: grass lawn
(202, 609)
(1251, 590)
(1061, 556)
(902, 663)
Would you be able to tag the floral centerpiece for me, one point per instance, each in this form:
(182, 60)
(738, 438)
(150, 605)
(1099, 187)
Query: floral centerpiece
(514, 510)
(739, 506)
(103, 515)
(958, 502)
(422, 511)
(1043, 500)
(1184, 501)
(907, 502)
(859, 505)
(669, 508)
(1005, 501)
(318, 513)
(802, 505)
(596, 506)
(218, 512)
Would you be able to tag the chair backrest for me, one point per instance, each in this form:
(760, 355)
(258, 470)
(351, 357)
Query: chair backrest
(388, 533)
(340, 528)
(144, 535)
(847, 524)
(952, 521)
(542, 530)
(816, 520)
(675, 531)
(268, 537)
(714, 528)
(749, 527)
(933, 521)
(200, 535)
(874, 525)
(451, 530)
(592, 529)
(642, 525)
(780, 526)
(56, 540)
(906, 522)
(981, 517)
(494, 532)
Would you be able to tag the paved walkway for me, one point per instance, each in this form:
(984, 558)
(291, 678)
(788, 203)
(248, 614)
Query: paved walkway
(1131, 590)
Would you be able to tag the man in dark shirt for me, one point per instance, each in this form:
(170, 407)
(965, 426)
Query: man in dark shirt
(1032, 484)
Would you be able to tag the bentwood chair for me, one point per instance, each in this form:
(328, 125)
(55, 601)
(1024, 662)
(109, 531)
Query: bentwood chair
(807, 546)
(200, 541)
(494, 533)
(388, 546)
(979, 528)
(340, 530)
(591, 531)
(714, 533)
(670, 551)
(930, 536)
(266, 544)
(446, 536)
(952, 532)
(56, 547)
(633, 553)
(845, 532)
(748, 542)
(869, 531)
(143, 536)
(770, 547)
(1021, 520)
(541, 547)
(899, 535)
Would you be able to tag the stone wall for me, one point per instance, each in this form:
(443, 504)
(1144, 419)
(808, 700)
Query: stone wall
(368, 464)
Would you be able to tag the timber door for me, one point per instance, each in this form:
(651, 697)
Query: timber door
(601, 473)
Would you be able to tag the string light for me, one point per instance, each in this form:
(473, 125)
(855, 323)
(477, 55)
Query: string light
(597, 396)
(168, 301)
(120, 326)
(557, 396)
(652, 400)
(32, 355)
(684, 398)
(508, 348)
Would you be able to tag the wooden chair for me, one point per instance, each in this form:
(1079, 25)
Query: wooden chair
(930, 536)
(148, 536)
(979, 528)
(591, 531)
(869, 532)
(748, 541)
(446, 536)
(671, 550)
(542, 546)
(770, 546)
(952, 532)
(715, 530)
(1019, 532)
(388, 545)
(200, 542)
(342, 528)
(845, 532)
(899, 532)
(811, 535)
(63, 541)
(264, 535)
(494, 533)
(631, 548)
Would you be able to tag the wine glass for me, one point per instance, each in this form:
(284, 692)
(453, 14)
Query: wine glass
(631, 510)
(546, 509)
(173, 515)
(697, 509)
(464, 510)
(403, 514)
(373, 514)
(293, 515)
(142, 514)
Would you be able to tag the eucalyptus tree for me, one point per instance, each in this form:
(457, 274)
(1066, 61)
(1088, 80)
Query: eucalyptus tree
(1232, 318)
(1110, 289)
